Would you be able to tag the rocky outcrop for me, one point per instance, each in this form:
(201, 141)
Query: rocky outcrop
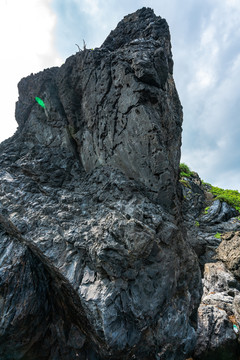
(205, 218)
(212, 229)
(229, 252)
(119, 104)
(93, 261)
(218, 327)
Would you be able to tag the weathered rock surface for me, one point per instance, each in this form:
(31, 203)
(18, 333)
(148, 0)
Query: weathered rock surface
(203, 228)
(229, 252)
(93, 261)
(217, 315)
(119, 104)
(214, 235)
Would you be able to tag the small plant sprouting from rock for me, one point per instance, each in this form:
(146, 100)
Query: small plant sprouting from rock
(206, 210)
(197, 223)
(79, 49)
(84, 46)
(217, 235)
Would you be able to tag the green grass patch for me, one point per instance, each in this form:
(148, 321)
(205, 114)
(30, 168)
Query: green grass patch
(231, 197)
(206, 184)
(183, 174)
(184, 170)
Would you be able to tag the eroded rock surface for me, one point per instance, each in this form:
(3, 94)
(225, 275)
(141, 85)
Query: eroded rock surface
(93, 262)
(212, 229)
(118, 102)
(229, 252)
(217, 315)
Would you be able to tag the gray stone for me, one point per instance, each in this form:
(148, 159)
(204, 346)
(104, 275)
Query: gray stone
(110, 104)
(229, 252)
(214, 237)
(217, 315)
(93, 259)
(218, 212)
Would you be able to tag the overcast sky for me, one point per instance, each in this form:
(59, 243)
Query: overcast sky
(36, 34)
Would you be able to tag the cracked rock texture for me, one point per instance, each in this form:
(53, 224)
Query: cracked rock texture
(118, 102)
(215, 237)
(93, 261)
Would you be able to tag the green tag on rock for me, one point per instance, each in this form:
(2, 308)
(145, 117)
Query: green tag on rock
(40, 102)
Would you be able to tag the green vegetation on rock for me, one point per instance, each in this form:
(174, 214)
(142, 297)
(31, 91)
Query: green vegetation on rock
(205, 183)
(232, 197)
(217, 235)
(184, 170)
(185, 183)
(206, 210)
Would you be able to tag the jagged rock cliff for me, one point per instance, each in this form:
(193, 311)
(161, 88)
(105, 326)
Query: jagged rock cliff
(118, 103)
(212, 230)
(93, 260)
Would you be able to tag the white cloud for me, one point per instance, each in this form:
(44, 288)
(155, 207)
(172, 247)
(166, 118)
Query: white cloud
(100, 17)
(204, 78)
(210, 96)
(91, 7)
(27, 45)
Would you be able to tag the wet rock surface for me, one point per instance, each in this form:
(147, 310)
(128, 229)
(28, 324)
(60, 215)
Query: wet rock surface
(93, 259)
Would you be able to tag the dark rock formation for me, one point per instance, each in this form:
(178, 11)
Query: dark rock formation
(214, 235)
(118, 103)
(93, 261)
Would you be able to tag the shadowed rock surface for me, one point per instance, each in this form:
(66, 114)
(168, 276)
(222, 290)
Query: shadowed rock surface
(93, 262)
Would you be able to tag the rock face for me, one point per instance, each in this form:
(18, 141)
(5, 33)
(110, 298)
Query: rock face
(93, 263)
(119, 104)
(229, 252)
(217, 315)
(214, 236)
